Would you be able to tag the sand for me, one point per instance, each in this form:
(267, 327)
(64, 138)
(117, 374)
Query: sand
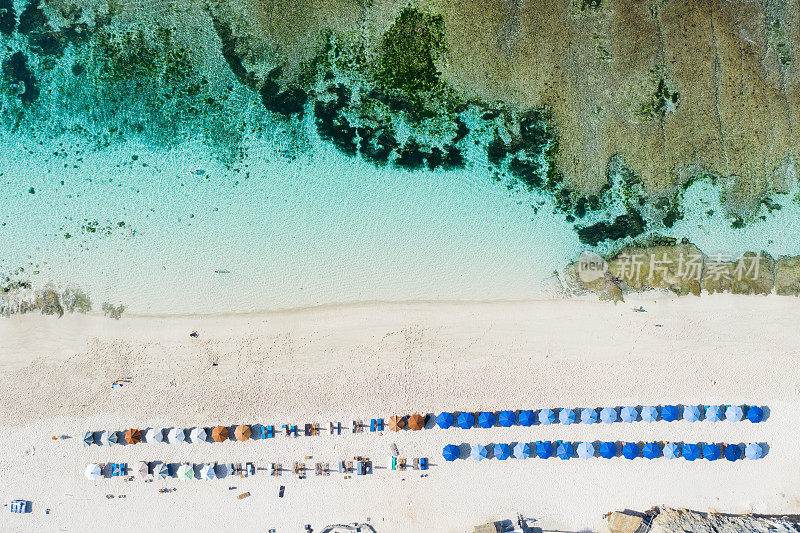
(369, 360)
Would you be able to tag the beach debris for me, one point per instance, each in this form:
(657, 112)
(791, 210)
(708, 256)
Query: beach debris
(198, 172)
(222, 272)
(280, 491)
(639, 309)
(194, 334)
(243, 495)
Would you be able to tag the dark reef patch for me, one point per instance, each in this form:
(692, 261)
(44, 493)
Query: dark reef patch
(16, 69)
(8, 17)
(630, 224)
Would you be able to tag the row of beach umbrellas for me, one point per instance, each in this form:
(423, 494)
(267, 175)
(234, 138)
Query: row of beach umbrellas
(173, 435)
(607, 415)
(159, 470)
(608, 450)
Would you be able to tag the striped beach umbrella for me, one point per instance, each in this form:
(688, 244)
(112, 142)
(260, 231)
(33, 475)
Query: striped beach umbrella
(733, 452)
(547, 416)
(522, 450)
(586, 450)
(207, 472)
(753, 451)
(608, 415)
(526, 418)
(565, 450)
(671, 450)
(711, 452)
(502, 451)
(450, 452)
(480, 452)
(629, 414)
(177, 435)
(714, 413)
(506, 418)
(544, 449)
(185, 472)
(486, 419)
(649, 413)
(93, 471)
(445, 420)
(755, 414)
(588, 416)
(567, 416)
(465, 420)
(691, 413)
(650, 450)
(608, 450)
(154, 435)
(734, 413)
(630, 450)
(669, 413)
(690, 452)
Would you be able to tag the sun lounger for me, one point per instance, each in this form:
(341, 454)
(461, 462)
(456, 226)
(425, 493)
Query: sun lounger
(423, 463)
(394, 462)
(401, 464)
(296, 468)
(20, 506)
(270, 430)
(415, 464)
(379, 424)
(356, 427)
(293, 431)
(115, 469)
(318, 469)
(250, 469)
(262, 432)
(315, 429)
(372, 425)
(342, 467)
(276, 469)
(336, 428)
(307, 430)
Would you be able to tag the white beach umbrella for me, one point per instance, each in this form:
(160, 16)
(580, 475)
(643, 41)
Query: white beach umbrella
(93, 471)
(199, 435)
(102, 438)
(185, 472)
(177, 435)
(153, 435)
(207, 472)
(160, 470)
(142, 469)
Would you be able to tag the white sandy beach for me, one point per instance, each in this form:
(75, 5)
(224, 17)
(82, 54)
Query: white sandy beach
(376, 360)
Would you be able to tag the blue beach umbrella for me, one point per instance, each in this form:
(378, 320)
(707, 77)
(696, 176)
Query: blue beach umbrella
(450, 452)
(547, 416)
(608, 415)
(567, 416)
(522, 450)
(608, 450)
(526, 418)
(445, 420)
(502, 451)
(650, 450)
(630, 450)
(755, 414)
(691, 413)
(544, 449)
(714, 413)
(586, 450)
(711, 452)
(649, 413)
(564, 450)
(690, 452)
(465, 420)
(629, 414)
(733, 452)
(669, 413)
(588, 416)
(672, 450)
(734, 413)
(486, 419)
(753, 451)
(479, 452)
(506, 418)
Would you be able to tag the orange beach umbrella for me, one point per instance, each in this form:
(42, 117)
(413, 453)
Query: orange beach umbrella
(133, 436)
(219, 434)
(416, 422)
(242, 433)
(396, 423)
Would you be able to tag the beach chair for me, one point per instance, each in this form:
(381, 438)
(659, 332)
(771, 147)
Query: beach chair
(372, 425)
(415, 464)
(355, 426)
(401, 464)
(307, 430)
(302, 469)
(293, 431)
(361, 469)
(423, 463)
(20, 506)
(342, 468)
(394, 462)
(270, 432)
(318, 469)
(379, 424)
(296, 468)
(262, 432)
(286, 430)
(276, 469)
(315, 429)
(326, 469)
(250, 468)
(115, 469)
